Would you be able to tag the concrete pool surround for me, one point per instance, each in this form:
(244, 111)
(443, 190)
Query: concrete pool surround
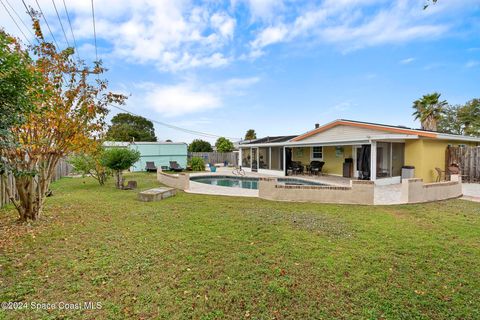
(327, 190)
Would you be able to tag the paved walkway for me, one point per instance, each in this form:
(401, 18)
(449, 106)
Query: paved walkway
(471, 191)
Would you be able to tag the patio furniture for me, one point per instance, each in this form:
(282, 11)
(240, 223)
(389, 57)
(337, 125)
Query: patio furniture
(297, 167)
(150, 166)
(455, 169)
(316, 167)
(164, 168)
(439, 174)
(174, 166)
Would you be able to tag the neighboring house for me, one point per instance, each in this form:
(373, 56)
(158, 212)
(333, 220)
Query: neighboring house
(161, 153)
(357, 142)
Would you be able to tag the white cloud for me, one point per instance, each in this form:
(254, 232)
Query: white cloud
(270, 36)
(171, 35)
(224, 24)
(175, 35)
(180, 99)
(262, 9)
(355, 24)
(407, 60)
(189, 96)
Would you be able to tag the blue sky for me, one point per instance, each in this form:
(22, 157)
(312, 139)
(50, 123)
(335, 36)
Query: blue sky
(277, 66)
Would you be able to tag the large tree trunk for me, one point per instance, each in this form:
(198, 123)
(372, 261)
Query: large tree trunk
(118, 179)
(32, 188)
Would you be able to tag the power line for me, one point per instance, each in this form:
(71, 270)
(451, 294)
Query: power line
(15, 21)
(71, 29)
(19, 18)
(193, 132)
(48, 26)
(61, 24)
(94, 32)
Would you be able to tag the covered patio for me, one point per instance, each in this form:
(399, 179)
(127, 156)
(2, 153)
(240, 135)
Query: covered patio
(340, 160)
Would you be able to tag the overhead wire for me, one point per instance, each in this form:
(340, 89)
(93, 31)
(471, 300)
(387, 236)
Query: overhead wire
(15, 22)
(20, 18)
(61, 24)
(189, 131)
(71, 29)
(94, 31)
(46, 22)
(192, 132)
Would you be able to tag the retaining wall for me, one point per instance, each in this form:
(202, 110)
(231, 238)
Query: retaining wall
(359, 192)
(179, 181)
(415, 191)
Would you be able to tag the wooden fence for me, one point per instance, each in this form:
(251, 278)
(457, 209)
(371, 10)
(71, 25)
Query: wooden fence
(63, 169)
(467, 159)
(216, 157)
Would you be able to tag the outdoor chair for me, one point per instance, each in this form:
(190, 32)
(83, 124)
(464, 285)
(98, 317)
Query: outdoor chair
(440, 172)
(174, 166)
(454, 169)
(150, 166)
(316, 167)
(297, 167)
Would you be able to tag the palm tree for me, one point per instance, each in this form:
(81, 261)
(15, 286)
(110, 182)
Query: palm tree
(429, 110)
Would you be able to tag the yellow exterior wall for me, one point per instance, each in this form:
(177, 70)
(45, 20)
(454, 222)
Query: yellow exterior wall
(425, 155)
(301, 154)
(333, 164)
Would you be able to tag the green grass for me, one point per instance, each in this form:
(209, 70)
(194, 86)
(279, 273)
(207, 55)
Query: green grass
(208, 257)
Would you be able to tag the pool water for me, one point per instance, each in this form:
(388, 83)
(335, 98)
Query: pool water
(248, 183)
(225, 181)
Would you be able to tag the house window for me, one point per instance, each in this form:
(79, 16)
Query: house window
(317, 153)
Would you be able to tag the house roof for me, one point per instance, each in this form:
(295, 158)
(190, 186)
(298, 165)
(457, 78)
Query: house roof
(275, 139)
(367, 125)
(386, 128)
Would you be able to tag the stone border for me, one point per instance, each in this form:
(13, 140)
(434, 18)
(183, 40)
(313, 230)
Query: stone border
(359, 192)
(415, 191)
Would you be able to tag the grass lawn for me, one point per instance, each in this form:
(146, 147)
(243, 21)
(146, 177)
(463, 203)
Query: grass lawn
(209, 257)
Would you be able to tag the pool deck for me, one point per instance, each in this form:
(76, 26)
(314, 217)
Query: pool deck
(384, 195)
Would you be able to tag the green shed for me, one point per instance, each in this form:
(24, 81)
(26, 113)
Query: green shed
(161, 153)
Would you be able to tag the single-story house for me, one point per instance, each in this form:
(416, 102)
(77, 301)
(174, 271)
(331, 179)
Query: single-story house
(161, 153)
(355, 142)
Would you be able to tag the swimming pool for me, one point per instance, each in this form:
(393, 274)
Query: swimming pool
(249, 182)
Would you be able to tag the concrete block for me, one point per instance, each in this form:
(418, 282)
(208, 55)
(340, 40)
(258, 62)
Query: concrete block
(156, 194)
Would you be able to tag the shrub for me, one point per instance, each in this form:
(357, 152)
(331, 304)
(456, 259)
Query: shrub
(198, 145)
(87, 164)
(119, 159)
(197, 164)
(224, 145)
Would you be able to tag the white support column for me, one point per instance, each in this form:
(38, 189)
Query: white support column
(373, 160)
(240, 157)
(251, 158)
(284, 162)
(269, 158)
